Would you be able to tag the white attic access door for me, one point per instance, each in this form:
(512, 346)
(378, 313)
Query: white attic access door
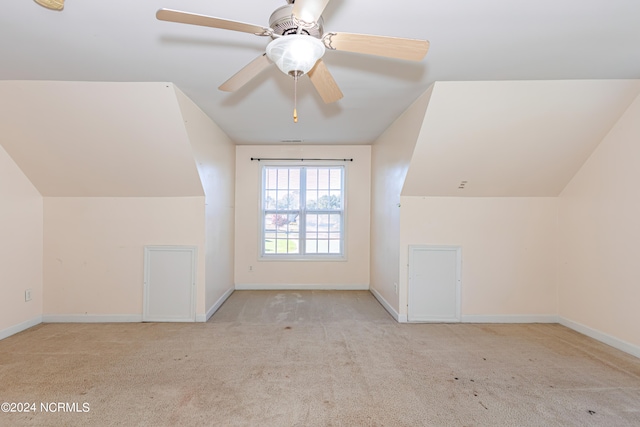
(434, 284)
(169, 284)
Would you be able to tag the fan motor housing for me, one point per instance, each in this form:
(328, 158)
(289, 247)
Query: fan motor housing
(283, 23)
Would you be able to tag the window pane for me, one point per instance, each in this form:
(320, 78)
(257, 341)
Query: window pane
(335, 222)
(283, 222)
(311, 223)
(323, 233)
(335, 198)
(335, 180)
(269, 222)
(312, 200)
(318, 231)
(323, 246)
(312, 178)
(323, 189)
(270, 178)
(288, 200)
(294, 179)
(323, 225)
(287, 246)
(282, 188)
(281, 234)
(283, 179)
(323, 178)
(269, 238)
(270, 198)
(311, 246)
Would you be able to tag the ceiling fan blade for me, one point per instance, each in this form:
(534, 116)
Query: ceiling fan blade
(247, 73)
(392, 47)
(51, 4)
(324, 83)
(210, 21)
(309, 10)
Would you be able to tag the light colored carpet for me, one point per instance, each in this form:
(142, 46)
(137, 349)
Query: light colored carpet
(316, 358)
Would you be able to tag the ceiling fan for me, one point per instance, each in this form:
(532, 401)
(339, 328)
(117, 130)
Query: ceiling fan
(299, 42)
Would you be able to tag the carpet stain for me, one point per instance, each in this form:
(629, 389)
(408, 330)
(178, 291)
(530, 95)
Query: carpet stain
(348, 364)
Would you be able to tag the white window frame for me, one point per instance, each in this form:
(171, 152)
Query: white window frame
(303, 256)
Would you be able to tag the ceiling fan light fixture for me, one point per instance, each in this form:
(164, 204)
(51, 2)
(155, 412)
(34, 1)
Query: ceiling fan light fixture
(295, 54)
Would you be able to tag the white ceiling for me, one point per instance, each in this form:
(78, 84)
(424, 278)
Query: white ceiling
(121, 41)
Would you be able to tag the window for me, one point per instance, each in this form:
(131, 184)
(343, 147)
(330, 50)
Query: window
(303, 212)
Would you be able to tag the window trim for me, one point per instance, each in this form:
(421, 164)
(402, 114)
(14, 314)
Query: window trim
(262, 256)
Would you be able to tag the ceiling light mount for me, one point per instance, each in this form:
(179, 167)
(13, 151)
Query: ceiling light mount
(284, 22)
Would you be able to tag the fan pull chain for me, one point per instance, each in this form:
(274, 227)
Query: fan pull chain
(295, 99)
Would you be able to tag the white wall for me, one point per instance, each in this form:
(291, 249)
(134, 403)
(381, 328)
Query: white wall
(390, 158)
(215, 158)
(20, 249)
(599, 284)
(509, 252)
(350, 274)
(94, 252)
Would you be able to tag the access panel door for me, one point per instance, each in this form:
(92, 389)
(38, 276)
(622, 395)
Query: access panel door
(169, 284)
(434, 284)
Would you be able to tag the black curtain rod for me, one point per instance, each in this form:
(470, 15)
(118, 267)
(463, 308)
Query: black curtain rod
(301, 160)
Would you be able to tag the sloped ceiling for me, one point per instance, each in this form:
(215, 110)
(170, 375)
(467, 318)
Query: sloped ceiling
(124, 143)
(518, 138)
(121, 40)
(98, 139)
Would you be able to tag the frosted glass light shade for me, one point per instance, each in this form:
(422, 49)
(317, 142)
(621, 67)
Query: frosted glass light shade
(296, 53)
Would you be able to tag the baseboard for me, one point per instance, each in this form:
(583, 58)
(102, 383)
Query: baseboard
(215, 307)
(509, 318)
(614, 342)
(400, 318)
(301, 287)
(12, 330)
(91, 318)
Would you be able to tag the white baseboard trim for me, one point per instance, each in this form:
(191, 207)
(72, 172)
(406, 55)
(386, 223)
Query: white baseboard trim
(12, 330)
(509, 318)
(301, 287)
(614, 342)
(400, 318)
(215, 306)
(91, 318)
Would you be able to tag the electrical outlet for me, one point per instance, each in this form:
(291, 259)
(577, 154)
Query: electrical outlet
(27, 295)
(395, 287)
(251, 269)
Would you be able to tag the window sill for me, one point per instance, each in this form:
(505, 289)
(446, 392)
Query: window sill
(303, 258)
